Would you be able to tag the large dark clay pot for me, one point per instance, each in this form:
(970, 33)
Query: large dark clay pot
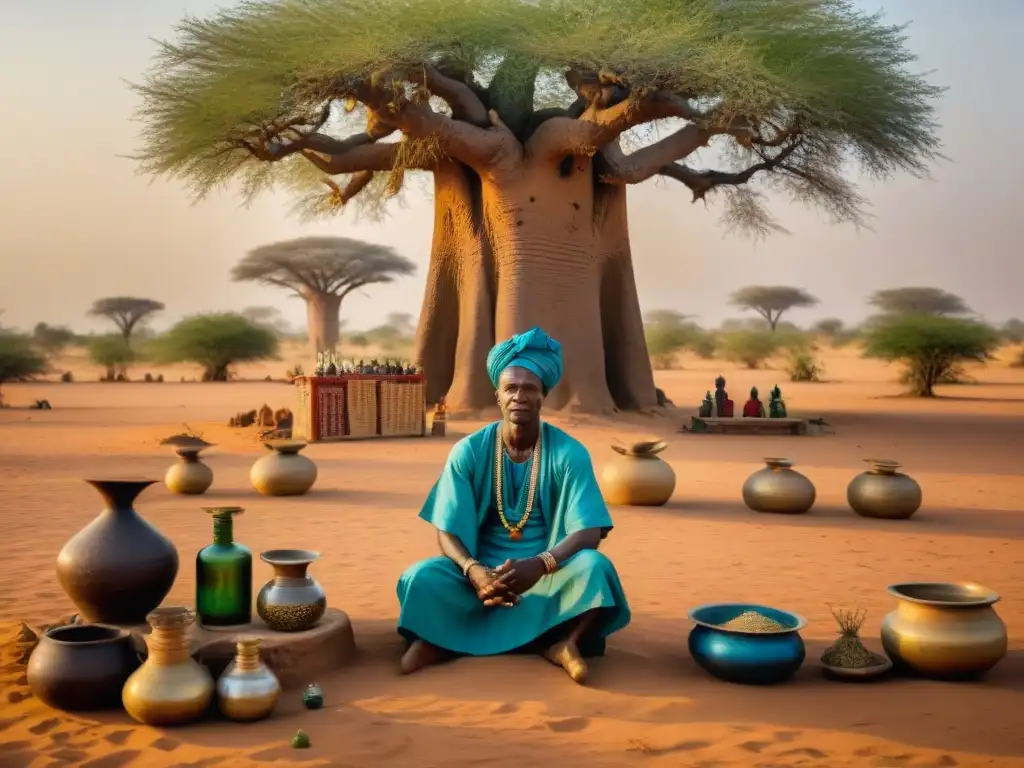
(81, 667)
(118, 568)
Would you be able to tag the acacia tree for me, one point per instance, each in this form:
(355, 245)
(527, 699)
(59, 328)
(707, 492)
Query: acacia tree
(771, 301)
(216, 342)
(322, 271)
(126, 312)
(532, 119)
(929, 301)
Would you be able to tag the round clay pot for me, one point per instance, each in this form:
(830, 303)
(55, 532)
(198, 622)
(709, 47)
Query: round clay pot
(638, 477)
(119, 567)
(883, 492)
(778, 488)
(247, 690)
(170, 688)
(190, 476)
(82, 667)
(293, 601)
(944, 631)
(284, 472)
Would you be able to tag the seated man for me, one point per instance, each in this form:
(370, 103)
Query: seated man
(519, 517)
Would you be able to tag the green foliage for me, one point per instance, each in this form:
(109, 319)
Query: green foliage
(113, 353)
(828, 326)
(667, 332)
(126, 312)
(932, 347)
(918, 300)
(19, 360)
(1012, 331)
(751, 348)
(52, 339)
(216, 342)
(803, 365)
(771, 301)
(844, 72)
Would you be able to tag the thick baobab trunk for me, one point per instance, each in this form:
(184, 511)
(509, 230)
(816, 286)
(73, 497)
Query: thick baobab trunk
(456, 329)
(322, 319)
(536, 249)
(627, 362)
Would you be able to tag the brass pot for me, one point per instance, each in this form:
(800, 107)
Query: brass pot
(638, 477)
(292, 601)
(189, 476)
(944, 630)
(778, 488)
(170, 688)
(284, 472)
(247, 690)
(884, 493)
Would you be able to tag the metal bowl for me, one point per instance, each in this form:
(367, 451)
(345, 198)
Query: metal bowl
(751, 658)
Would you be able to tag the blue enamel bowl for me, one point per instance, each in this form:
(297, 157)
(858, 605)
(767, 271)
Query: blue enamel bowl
(751, 658)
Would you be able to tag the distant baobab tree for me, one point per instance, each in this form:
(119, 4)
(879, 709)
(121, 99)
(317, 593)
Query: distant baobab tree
(771, 301)
(929, 301)
(126, 312)
(323, 271)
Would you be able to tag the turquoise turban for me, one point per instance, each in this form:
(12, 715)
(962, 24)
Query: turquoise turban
(533, 350)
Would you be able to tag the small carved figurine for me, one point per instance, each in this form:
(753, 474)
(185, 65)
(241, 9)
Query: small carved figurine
(753, 408)
(707, 407)
(776, 405)
(320, 365)
(723, 405)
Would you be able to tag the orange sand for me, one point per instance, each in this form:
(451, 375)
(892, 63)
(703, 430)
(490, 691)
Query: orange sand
(648, 703)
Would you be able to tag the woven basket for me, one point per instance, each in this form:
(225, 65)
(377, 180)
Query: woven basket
(301, 424)
(402, 408)
(330, 411)
(362, 408)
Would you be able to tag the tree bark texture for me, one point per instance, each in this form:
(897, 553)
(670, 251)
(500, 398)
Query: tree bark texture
(545, 246)
(322, 317)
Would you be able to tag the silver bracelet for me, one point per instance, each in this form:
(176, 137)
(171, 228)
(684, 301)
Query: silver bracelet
(467, 565)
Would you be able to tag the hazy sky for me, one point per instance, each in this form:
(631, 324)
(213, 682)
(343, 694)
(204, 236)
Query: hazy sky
(77, 222)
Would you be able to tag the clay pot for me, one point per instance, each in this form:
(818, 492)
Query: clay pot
(284, 472)
(638, 477)
(119, 567)
(778, 488)
(170, 688)
(882, 492)
(292, 601)
(82, 667)
(247, 690)
(189, 476)
(944, 631)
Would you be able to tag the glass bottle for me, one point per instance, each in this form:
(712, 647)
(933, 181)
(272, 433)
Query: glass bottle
(224, 575)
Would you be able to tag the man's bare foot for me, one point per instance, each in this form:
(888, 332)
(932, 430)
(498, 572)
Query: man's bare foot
(568, 657)
(422, 654)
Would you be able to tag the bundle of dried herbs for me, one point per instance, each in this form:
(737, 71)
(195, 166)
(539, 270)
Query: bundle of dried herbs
(848, 652)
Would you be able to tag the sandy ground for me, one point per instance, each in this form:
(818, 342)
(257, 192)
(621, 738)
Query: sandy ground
(648, 703)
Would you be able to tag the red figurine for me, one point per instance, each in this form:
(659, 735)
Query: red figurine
(753, 408)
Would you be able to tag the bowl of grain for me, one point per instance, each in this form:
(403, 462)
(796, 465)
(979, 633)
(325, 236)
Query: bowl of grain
(747, 643)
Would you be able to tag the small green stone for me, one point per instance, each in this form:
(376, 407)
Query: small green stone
(300, 740)
(313, 697)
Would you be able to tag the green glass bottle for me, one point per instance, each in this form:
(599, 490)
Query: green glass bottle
(224, 574)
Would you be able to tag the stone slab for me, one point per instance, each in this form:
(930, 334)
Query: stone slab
(751, 425)
(297, 658)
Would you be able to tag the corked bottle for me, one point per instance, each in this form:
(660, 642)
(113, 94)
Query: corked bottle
(170, 688)
(247, 690)
(224, 575)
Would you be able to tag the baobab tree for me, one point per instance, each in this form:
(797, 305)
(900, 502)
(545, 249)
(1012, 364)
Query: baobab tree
(771, 301)
(126, 312)
(533, 118)
(928, 301)
(322, 271)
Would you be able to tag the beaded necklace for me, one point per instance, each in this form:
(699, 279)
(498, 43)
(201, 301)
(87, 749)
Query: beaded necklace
(515, 532)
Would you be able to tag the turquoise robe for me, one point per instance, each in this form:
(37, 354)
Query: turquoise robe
(439, 605)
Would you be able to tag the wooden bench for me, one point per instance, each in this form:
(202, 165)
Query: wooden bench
(748, 426)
